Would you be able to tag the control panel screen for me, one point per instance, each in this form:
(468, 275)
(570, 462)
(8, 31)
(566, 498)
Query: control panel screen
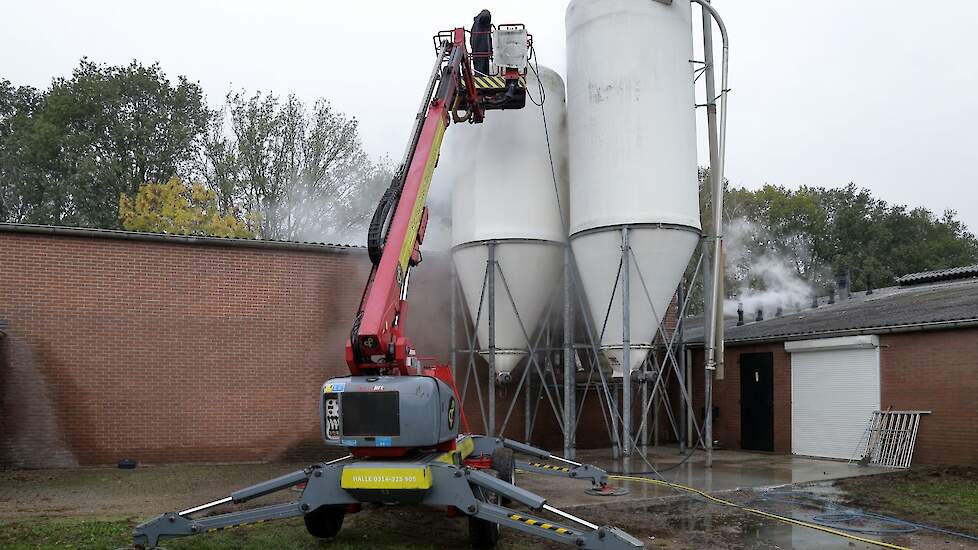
(367, 414)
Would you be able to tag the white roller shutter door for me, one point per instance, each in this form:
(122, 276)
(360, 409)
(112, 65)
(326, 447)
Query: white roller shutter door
(835, 387)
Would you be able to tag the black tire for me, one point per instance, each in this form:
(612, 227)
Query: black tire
(483, 534)
(502, 462)
(380, 224)
(325, 522)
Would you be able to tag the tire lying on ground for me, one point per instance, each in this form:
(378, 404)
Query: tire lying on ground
(325, 522)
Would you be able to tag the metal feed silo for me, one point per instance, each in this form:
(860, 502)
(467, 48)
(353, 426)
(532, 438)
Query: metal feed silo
(504, 206)
(633, 172)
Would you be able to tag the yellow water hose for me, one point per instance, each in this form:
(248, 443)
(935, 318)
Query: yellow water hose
(761, 513)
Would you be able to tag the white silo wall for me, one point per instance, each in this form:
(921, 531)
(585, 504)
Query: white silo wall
(503, 191)
(632, 151)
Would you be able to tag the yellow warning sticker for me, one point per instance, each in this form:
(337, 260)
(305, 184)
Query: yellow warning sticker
(463, 448)
(355, 477)
(415, 221)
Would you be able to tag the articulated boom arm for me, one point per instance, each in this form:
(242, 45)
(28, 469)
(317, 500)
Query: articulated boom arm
(377, 341)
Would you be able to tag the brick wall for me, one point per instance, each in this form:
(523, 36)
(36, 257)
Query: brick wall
(935, 371)
(726, 395)
(175, 351)
(930, 370)
(199, 350)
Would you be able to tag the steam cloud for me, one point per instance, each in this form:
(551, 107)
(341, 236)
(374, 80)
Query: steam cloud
(767, 280)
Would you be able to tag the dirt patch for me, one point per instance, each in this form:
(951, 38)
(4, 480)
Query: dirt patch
(111, 493)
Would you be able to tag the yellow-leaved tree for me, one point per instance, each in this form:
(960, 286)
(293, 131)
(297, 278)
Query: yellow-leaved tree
(178, 209)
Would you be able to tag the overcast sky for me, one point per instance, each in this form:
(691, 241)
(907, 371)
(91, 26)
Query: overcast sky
(825, 92)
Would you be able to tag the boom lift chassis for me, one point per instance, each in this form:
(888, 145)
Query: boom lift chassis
(399, 420)
(438, 480)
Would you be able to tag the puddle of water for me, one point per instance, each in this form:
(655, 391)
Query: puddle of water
(781, 535)
(745, 531)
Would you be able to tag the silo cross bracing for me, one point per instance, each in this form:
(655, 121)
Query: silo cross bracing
(632, 152)
(504, 198)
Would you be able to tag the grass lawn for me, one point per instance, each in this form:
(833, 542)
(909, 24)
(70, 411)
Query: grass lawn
(80, 534)
(945, 497)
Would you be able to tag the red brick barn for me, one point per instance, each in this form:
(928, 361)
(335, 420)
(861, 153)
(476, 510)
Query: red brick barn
(807, 382)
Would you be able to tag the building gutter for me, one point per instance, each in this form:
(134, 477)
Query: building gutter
(86, 232)
(891, 329)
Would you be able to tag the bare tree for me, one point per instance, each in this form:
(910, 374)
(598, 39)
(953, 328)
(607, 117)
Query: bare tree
(300, 173)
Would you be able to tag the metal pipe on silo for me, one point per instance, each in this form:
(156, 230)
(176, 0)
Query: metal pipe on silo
(453, 315)
(682, 364)
(644, 398)
(714, 332)
(491, 289)
(626, 345)
(570, 365)
(528, 407)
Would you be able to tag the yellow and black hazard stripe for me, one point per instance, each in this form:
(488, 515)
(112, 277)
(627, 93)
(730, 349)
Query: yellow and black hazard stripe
(493, 82)
(549, 467)
(541, 524)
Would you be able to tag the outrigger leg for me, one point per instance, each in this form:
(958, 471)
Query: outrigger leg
(575, 470)
(177, 524)
(428, 480)
(583, 535)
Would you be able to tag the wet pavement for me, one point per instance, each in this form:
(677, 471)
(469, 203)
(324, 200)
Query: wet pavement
(731, 470)
(763, 476)
(778, 535)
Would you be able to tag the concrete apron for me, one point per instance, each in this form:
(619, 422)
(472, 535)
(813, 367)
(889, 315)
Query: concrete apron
(731, 470)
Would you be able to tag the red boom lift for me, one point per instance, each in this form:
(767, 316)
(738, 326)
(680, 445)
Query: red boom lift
(398, 419)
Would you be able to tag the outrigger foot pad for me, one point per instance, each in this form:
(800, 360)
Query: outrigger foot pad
(607, 491)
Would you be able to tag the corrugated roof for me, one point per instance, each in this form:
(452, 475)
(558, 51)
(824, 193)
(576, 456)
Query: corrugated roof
(181, 239)
(920, 306)
(949, 274)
